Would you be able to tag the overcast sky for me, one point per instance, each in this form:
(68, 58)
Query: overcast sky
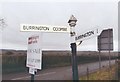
(89, 15)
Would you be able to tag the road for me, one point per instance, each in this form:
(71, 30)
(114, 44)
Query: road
(60, 73)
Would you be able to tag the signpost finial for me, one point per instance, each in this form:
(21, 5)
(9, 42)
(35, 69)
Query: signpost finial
(72, 21)
(72, 18)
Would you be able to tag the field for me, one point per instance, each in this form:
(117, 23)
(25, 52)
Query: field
(15, 61)
(119, 69)
(103, 74)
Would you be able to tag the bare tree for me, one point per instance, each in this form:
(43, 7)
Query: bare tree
(2, 23)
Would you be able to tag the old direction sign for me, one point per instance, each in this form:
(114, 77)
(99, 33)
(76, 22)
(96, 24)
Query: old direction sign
(87, 35)
(43, 28)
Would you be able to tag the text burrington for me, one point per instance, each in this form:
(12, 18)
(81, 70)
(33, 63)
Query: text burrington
(44, 28)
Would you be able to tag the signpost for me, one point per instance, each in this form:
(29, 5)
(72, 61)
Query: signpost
(34, 52)
(34, 55)
(72, 22)
(43, 28)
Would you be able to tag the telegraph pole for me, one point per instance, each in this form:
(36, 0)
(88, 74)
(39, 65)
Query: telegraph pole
(99, 51)
(2, 23)
(109, 54)
(72, 22)
(99, 60)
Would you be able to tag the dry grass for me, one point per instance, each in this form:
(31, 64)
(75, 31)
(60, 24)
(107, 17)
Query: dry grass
(103, 74)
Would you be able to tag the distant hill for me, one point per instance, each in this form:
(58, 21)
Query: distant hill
(79, 53)
(13, 52)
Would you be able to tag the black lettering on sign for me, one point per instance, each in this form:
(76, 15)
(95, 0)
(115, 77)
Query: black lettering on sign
(35, 28)
(87, 34)
(33, 60)
(59, 29)
(37, 51)
(25, 27)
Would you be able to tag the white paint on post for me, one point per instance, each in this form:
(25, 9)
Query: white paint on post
(72, 38)
(43, 28)
(34, 52)
(72, 22)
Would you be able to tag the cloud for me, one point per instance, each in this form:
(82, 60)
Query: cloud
(89, 15)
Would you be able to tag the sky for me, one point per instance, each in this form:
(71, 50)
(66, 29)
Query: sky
(90, 15)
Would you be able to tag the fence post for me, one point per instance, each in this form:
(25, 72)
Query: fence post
(87, 73)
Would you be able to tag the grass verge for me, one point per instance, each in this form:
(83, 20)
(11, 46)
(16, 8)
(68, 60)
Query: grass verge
(103, 74)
